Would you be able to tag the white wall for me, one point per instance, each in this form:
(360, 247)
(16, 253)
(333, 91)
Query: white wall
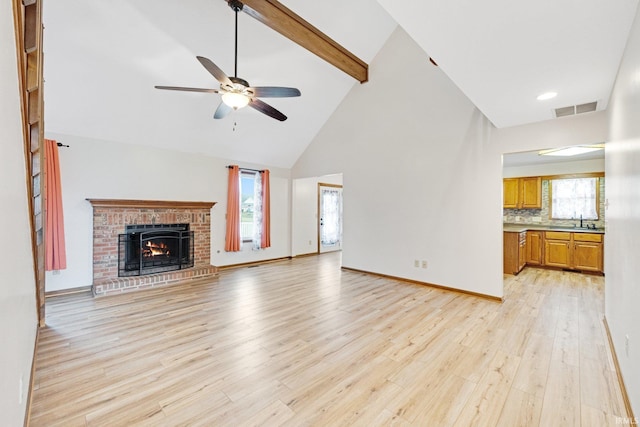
(423, 171)
(581, 129)
(18, 317)
(304, 218)
(410, 161)
(622, 169)
(581, 166)
(110, 170)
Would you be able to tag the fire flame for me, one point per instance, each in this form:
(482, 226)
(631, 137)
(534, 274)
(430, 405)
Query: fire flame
(156, 249)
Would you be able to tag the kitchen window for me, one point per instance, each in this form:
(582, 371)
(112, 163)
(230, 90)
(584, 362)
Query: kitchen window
(574, 198)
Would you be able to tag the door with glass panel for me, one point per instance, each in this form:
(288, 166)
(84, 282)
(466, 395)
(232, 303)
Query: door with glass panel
(329, 217)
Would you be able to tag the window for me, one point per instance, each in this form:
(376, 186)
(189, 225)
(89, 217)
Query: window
(247, 205)
(574, 198)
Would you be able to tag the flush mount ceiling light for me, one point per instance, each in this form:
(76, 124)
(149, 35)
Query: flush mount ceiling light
(571, 151)
(547, 95)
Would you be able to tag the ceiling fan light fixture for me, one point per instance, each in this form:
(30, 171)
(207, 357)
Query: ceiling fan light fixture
(236, 92)
(235, 100)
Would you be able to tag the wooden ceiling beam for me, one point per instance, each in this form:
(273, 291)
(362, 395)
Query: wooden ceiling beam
(283, 20)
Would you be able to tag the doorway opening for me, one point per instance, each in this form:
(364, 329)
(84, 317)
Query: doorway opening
(549, 201)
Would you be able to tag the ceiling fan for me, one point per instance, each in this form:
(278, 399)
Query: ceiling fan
(236, 92)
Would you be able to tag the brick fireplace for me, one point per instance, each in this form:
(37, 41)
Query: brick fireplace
(111, 217)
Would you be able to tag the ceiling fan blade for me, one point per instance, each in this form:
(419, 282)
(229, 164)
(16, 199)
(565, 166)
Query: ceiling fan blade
(187, 89)
(274, 91)
(215, 71)
(222, 111)
(267, 109)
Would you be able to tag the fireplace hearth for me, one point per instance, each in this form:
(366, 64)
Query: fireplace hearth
(154, 248)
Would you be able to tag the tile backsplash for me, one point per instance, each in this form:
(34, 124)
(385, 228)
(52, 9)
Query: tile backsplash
(541, 216)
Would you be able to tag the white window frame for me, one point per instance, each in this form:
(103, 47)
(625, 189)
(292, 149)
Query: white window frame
(585, 204)
(247, 175)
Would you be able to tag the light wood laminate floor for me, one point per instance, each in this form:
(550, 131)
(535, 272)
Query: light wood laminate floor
(302, 342)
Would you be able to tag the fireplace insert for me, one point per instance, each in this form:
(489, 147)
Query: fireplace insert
(154, 248)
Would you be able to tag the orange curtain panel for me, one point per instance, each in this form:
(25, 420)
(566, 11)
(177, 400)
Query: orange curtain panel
(55, 254)
(266, 211)
(232, 242)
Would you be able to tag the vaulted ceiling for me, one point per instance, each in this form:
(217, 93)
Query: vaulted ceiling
(102, 60)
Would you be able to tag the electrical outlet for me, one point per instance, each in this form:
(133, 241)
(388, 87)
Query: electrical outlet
(626, 344)
(416, 263)
(20, 390)
(424, 263)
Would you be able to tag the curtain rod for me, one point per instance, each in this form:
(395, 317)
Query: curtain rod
(60, 144)
(247, 169)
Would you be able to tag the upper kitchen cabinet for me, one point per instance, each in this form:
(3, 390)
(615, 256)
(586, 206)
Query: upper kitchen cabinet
(510, 192)
(522, 193)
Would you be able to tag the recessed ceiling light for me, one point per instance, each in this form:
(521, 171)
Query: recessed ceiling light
(571, 151)
(547, 95)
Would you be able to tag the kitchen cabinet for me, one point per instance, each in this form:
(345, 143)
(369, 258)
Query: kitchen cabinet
(588, 252)
(575, 251)
(531, 195)
(522, 251)
(535, 247)
(510, 193)
(542, 246)
(557, 246)
(522, 193)
(515, 245)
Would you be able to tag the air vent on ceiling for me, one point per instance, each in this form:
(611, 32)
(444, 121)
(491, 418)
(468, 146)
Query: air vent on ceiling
(576, 109)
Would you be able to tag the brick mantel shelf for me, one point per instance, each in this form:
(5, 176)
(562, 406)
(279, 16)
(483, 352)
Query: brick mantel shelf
(110, 216)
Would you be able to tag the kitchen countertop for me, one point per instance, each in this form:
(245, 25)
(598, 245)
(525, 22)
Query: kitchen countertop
(516, 228)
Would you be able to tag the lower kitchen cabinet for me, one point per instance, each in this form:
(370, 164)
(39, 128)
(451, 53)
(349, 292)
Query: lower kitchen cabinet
(587, 252)
(557, 249)
(581, 251)
(515, 257)
(534, 247)
(575, 251)
(522, 251)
